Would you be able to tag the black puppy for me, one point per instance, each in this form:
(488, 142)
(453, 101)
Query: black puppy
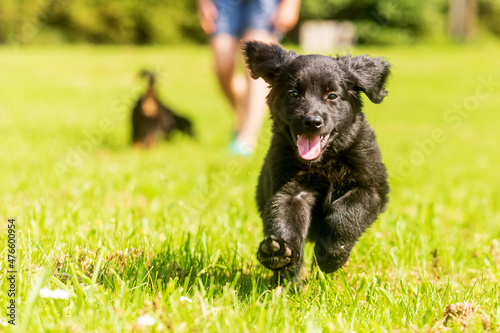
(152, 120)
(323, 179)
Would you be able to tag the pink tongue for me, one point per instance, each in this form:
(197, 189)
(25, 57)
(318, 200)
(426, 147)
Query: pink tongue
(309, 146)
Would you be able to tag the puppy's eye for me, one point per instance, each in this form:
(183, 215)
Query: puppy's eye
(331, 97)
(293, 94)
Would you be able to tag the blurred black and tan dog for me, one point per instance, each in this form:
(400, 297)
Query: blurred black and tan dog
(151, 120)
(323, 179)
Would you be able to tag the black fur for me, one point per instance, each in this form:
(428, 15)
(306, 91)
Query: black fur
(152, 120)
(333, 198)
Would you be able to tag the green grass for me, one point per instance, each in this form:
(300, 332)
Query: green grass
(185, 210)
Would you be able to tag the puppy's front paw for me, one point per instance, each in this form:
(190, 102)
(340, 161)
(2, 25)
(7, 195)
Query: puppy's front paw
(274, 253)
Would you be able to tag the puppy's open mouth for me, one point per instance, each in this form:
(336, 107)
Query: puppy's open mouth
(311, 145)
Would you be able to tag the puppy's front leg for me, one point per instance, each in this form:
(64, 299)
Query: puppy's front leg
(287, 218)
(346, 220)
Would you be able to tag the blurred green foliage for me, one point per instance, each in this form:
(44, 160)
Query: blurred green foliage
(384, 21)
(155, 21)
(100, 21)
(489, 11)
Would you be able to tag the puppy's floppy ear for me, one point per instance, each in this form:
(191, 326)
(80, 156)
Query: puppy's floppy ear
(367, 74)
(266, 60)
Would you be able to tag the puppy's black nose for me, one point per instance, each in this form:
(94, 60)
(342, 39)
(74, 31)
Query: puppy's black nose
(313, 121)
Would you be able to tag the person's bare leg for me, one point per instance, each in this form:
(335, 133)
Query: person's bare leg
(239, 86)
(225, 48)
(255, 107)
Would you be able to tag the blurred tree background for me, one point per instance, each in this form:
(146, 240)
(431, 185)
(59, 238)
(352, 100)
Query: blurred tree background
(175, 21)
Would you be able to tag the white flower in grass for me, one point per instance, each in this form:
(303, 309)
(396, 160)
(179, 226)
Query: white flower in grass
(146, 320)
(45, 293)
(54, 294)
(60, 294)
(183, 299)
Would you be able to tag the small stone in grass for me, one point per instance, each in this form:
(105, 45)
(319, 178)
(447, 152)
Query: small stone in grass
(463, 313)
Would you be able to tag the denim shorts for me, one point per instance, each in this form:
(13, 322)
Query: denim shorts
(235, 17)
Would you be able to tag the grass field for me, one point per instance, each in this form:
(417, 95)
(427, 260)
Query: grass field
(131, 233)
